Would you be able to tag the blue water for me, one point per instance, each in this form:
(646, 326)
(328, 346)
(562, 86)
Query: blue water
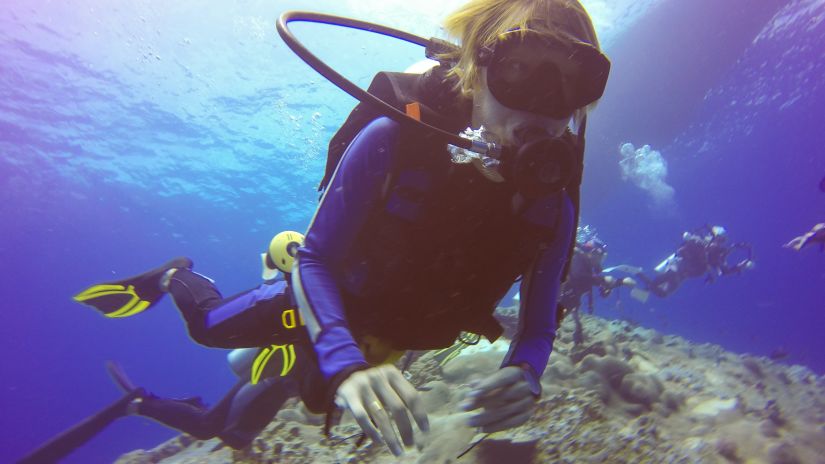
(133, 133)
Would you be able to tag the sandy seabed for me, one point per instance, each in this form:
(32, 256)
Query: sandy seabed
(624, 394)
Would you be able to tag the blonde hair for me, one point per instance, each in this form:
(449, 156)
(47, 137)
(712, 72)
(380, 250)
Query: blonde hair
(479, 23)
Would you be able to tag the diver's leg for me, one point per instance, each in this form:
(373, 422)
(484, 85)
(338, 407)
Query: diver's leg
(644, 279)
(253, 408)
(578, 331)
(669, 282)
(590, 301)
(239, 416)
(252, 318)
(264, 315)
(188, 417)
(193, 293)
(279, 378)
(657, 285)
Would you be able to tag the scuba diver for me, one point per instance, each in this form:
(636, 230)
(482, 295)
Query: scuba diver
(414, 243)
(815, 236)
(586, 272)
(279, 364)
(704, 252)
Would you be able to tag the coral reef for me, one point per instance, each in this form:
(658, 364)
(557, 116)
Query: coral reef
(625, 395)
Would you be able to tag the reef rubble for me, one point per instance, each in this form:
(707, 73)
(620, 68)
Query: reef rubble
(626, 394)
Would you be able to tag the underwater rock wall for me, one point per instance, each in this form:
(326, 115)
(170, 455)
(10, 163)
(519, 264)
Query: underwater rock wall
(625, 394)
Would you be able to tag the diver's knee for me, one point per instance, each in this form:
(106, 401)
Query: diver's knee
(202, 337)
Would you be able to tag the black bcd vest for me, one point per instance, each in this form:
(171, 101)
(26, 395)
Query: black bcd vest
(445, 244)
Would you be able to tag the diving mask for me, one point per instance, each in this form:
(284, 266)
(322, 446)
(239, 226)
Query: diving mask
(520, 82)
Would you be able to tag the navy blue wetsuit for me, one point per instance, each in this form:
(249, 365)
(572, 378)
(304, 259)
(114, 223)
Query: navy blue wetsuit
(356, 188)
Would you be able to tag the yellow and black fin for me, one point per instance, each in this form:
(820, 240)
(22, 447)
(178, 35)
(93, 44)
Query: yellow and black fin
(130, 296)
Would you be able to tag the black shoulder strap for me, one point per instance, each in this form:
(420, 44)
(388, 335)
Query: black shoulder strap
(357, 119)
(574, 192)
(434, 92)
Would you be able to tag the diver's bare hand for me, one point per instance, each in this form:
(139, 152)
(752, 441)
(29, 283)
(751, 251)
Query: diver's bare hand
(378, 397)
(506, 399)
(816, 234)
(796, 244)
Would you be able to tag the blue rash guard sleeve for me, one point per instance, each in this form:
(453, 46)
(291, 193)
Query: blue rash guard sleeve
(539, 292)
(354, 190)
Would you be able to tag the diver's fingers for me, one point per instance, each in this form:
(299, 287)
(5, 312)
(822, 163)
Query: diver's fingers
(382, 419)
(507, 384)
(504, 396)
(362, 417)
(358, 393)
(499, 398)
(503, 416)
(394, 404)
(508, 423)
(505, 377)
(410, 397)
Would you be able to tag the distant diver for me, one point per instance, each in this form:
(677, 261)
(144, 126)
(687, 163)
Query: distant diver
(704, 252)
(587, 273)
(815, 236)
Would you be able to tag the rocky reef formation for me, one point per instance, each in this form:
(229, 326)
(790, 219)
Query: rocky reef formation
(624, 395)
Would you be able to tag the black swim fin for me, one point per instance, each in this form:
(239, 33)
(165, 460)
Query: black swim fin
(60, 446)
(130, 296)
